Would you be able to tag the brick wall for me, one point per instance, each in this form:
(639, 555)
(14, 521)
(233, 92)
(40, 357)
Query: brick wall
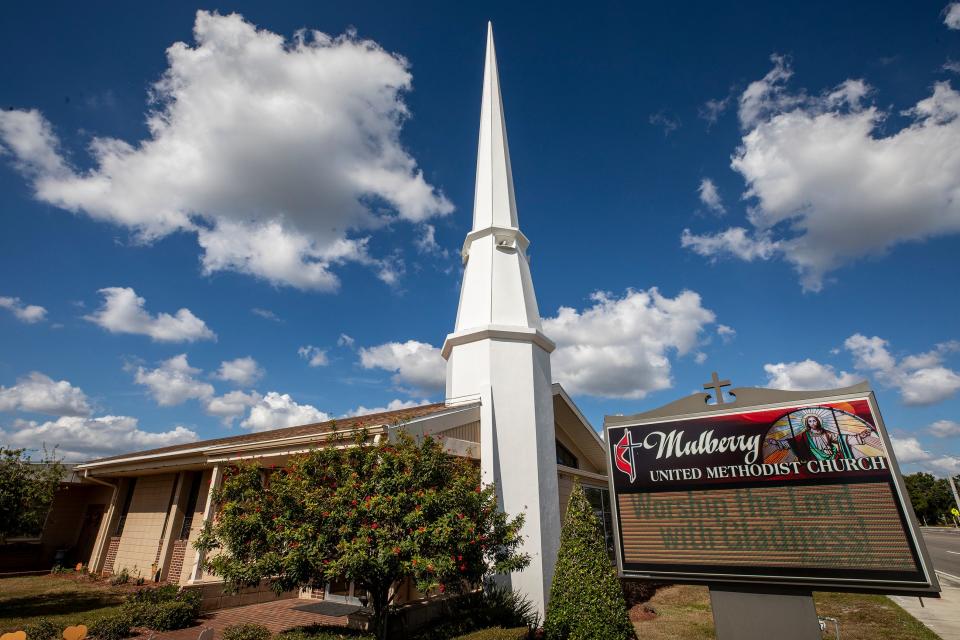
(144, 524)
(111, 555)
(176, 561)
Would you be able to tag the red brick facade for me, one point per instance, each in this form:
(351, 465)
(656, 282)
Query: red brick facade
(176, 561)
(111, 555)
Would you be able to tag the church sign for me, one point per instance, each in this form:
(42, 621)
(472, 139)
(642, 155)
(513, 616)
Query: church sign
(804, 492)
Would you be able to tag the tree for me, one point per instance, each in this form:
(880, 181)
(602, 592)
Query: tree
(586, 600)
(26, 491)
(375, 514)
(931, 497)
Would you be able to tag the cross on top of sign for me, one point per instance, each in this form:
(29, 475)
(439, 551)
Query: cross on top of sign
(717, 385)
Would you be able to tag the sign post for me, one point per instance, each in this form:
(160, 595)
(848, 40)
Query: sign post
(764, 499)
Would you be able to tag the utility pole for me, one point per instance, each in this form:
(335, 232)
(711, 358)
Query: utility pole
(956, 498)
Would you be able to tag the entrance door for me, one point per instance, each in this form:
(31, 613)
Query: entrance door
(88, 533)
(341, 590)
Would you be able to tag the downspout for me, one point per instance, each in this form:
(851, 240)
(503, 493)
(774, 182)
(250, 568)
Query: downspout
(102, 536)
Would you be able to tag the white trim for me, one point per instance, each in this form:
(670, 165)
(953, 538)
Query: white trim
(215, 475)
(589, 475)
(266, 444)
(496, 332)
(501, 232)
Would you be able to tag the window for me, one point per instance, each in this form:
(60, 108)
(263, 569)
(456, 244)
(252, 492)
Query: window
(191, 507)
(599, 499)
(565, 457)
(131, 487)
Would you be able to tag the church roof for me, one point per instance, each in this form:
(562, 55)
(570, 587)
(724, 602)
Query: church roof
(316, 428)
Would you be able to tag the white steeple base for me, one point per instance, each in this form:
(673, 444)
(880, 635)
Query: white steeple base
(517, 443)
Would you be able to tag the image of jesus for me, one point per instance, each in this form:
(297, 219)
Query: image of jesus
(816, 443)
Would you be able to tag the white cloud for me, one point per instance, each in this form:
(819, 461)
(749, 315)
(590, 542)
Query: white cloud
(920, 378)
(393, 405)
(240, 371)
(266, 313)
(951, 15)
(710, 196)
(726, 333)
(713, 109)
(952, 66)
(417, 366)
(426, 241)
(123, 312)
(29, 313)
(271, 151)
(621, 347)
(276, 411)
(668, 122)
(807, 375)
(39, 393)
(174, 382)
(80, 438)
(315, 356)
(909, 450)
(945, 428)
(735, 241)
(828, 187)
(345, 341)
(945, 465)
(231, 405)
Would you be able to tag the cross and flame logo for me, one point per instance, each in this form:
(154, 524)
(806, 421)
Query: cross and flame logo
(623, 455)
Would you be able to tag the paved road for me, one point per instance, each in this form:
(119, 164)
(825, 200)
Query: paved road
(944, 548)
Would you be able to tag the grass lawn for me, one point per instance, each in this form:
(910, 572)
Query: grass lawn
(684, 614)
(60, 599)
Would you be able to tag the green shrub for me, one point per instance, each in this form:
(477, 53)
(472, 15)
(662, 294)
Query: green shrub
(248, 631)
(586, 601)
(323, 632)
(115, 626)
(176, 614)
(497, 633)
(493, 607)
(163, 608)
(120, 578)
(43, 629)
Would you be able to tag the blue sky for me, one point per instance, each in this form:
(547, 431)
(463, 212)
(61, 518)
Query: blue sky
(772, 192)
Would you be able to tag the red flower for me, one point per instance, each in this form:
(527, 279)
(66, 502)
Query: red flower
(374, 526)
(442, 588)
(396, 550)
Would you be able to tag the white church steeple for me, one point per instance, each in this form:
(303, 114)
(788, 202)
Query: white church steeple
(499, 352)
(497, 287)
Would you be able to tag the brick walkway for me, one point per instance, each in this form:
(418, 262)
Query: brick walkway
(277, 616)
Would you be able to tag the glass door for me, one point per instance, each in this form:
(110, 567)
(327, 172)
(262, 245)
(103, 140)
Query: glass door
(341, 590)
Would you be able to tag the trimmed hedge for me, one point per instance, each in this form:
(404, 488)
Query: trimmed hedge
(323, 632)
(43, 629)
(247, 631)
(115, 626)
(497, 633)
(162, 609)
(586, 601)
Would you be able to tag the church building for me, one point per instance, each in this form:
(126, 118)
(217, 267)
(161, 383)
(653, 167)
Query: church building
(502, 408)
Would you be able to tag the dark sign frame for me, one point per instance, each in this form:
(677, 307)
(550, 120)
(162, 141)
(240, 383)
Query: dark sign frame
(922, 581)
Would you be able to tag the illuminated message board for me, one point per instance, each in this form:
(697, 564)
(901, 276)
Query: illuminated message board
(794, 493)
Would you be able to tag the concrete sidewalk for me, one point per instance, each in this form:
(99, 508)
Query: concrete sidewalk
(941, 616)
